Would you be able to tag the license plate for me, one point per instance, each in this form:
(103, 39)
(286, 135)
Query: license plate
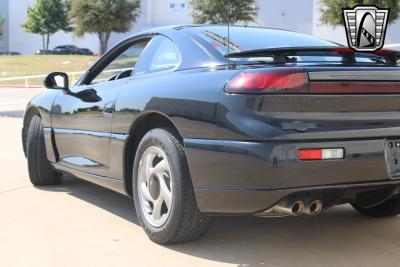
(392, 151)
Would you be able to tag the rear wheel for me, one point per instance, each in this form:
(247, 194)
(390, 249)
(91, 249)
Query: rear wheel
(390, 207)
(163, 192)
(40, 170)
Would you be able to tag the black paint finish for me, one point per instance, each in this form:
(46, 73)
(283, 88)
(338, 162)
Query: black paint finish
(241, 149)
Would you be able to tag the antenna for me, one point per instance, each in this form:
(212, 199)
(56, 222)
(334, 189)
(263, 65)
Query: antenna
(229, 22)
(229, 39)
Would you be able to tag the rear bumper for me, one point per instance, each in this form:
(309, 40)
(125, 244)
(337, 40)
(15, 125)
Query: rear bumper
(245, 177)
(252, 201)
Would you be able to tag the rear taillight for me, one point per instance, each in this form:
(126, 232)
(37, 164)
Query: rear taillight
(268, 81)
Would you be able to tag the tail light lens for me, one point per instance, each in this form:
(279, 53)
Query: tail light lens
(268, 81)
(321, 154)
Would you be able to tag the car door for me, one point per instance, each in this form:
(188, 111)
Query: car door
(81, 120)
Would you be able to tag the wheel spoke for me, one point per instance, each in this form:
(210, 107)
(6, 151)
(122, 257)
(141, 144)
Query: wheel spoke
(156, 214)
(149, 165)
(161, 167)
(142, 171)
(165, 193)
(146, 193)
(147, 207)
(155, 186)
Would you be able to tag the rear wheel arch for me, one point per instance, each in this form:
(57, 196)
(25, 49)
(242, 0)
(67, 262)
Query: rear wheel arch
(139, 128)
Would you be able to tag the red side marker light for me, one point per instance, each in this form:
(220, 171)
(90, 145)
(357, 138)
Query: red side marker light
(310, 154)
(321, 154)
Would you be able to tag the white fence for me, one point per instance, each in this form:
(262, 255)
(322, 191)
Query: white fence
(25, 79)
(72, 75)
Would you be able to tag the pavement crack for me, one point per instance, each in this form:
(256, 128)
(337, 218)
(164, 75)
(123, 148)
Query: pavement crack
(14, 189)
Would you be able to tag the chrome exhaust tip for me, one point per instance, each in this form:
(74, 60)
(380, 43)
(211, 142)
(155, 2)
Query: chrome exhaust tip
(313, 208)
(284, 208)
(297, 208)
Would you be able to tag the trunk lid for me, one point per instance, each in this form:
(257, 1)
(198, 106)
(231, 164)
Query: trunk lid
(353, 80)
(342, 102)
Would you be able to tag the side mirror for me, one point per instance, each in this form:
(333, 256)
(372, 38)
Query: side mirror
(57, 80)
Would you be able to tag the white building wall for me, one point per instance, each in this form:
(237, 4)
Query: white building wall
(157, 13)
(169, 12)
(27, 43)
(297, 15)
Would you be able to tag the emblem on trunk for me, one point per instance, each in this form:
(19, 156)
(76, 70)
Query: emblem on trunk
(366, 27)
(299, 126)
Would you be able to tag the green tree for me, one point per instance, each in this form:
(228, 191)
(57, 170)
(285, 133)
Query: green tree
(47, 17)
(332, 9)
(223, 11)
(102, 17)
(1, 28)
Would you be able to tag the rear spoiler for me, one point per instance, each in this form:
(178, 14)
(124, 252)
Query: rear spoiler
(348, 55)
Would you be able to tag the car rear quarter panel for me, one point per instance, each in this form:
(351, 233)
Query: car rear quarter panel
(189, 98)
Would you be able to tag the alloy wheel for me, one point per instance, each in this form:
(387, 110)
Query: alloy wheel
(155, 185)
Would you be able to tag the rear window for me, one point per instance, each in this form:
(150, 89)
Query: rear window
(251, 38)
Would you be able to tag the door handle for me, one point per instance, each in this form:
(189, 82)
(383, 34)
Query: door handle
(108, 109)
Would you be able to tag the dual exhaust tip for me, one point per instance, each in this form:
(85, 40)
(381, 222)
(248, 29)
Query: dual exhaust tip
(294, 208)
(314, 208)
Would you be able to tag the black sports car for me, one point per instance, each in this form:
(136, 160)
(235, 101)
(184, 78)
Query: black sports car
(66, 50)
(191, 123)
(85, 51)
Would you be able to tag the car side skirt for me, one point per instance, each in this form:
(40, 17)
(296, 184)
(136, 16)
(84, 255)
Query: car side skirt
(107, 182)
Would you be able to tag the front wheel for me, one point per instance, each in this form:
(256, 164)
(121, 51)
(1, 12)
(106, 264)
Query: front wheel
(40, 170)
(163, 192)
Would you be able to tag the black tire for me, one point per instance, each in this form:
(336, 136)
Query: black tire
(185, 222)
(40, 170)
(390, 207)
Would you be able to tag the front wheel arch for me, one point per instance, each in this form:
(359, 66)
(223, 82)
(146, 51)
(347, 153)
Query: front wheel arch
(29, 114)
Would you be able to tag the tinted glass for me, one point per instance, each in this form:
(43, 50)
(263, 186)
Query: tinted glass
(250, 38)
(166, 56)
(122, 66)
(161, 54)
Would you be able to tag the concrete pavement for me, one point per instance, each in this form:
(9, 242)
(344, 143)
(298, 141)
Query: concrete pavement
(13, 100)
(80, 224)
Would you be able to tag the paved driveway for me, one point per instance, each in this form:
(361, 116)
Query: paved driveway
(80, 224)
(14, 100)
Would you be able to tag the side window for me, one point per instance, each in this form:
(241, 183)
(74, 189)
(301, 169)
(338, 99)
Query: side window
(166, 56)
(123, 65)
(161, 54)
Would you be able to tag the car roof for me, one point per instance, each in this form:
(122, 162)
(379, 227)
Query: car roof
(249, 36)
(188, 26)
(186, 37)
